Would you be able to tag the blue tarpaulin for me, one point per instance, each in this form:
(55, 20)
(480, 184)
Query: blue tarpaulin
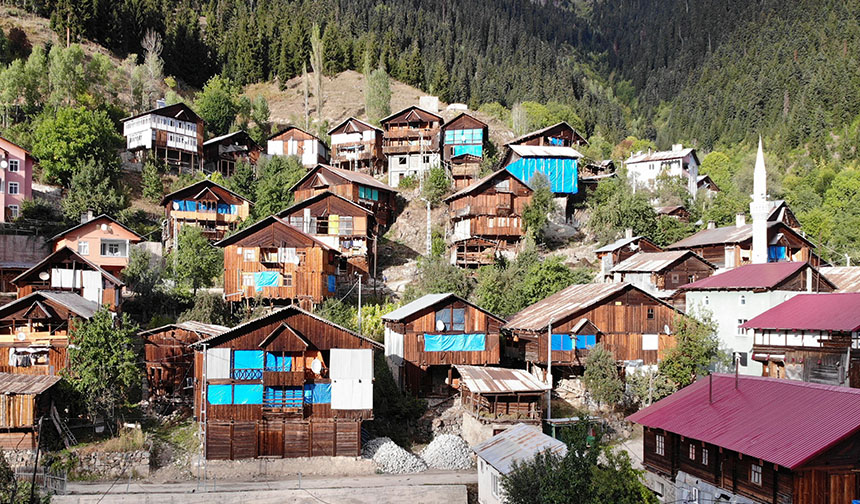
(283, 397)
(584, 341)
(248, 394)
(247, 359)
(224, 208)
(278, 362)
(318, 393)
(331, 283)
(475, 150)
(266, 279)
(190, 206)
(561, 172)
(455, 342)
(219, 394)
(562, 342)
(776, 254)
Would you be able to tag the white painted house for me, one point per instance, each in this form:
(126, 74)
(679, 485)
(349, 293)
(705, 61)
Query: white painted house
(643, 168)
(496, 457)
(297, 142)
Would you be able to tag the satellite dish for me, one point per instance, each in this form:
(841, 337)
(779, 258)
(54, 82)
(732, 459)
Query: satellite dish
(44, 275)
(4, 164)
(440, 326)
(316, 366)
(21, 336)
(104, 227)
(176, 205)
(666, 329)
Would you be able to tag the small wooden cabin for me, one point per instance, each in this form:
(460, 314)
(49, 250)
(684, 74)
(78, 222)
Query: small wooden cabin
(173, 134)
(287, 384)
(102, 240)
(309, 148)
(662, 271)
(628, 321)
(675, 211)
(211, 207)
(424, 339)
(463, 135)
(343, 225)
(412, 143)
(355, 186)
(720, 440)
(557, 135)
(169, 357)
(501, 395)
(357, 145)
(66, 270)
(24, 399)
(276, 261)
(221, 153)
(620, 250)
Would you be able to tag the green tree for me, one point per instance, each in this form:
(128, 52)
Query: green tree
(437, 185)
(242, 181)
(143, 273)
(153, 187)
(601, 376)
(93, 187)
(218, 104)
(615, 208)
(260, 114)
(435, 275)
(102, 362)
(696, 349)
(536, 212)
(670, 230)
(377, 96)
(719, 167)
(277, 175)
(210, 309)
(194, 261)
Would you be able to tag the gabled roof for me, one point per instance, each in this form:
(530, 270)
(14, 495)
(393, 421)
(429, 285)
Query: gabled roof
(519, 443)
(751, 276)
(666, 210)
(199, 186)
(15, 384)
(354, 120)
(809, 418)
(537, 133)
(815, 312)
(4, 139)
(73, 302)
(706, 179)
(241, 134)
(568, 302)
(846, 278)
(352, 176)
(427, 301)
(415, 112)
(496, 380)
(462, 115)
(621, 242)
(480, 183)
(647, 157)
(545, 151)
(94, 219)
(66, 253)
(321, 196)
(262, 223)
(177, 111)
(200, 328)
(21, 251)
(729, 235)
(290, 128)
(648, 262)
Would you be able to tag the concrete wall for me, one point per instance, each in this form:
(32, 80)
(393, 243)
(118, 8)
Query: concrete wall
(486, 473)
(474, 431)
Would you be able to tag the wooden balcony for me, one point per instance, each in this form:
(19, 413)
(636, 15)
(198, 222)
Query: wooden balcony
(283, 378)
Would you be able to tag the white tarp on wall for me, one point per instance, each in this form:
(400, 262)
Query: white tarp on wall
(92, 282)
(351, 373)
(217, 363)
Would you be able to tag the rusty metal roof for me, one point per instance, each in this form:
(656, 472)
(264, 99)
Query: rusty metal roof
(647, 262)
(352, 176)
(518, 443)
(496, 380)
(22, 251)
(731, 234)
(846, 278)
(200, 328)
(839, 311)
(617, 244)
(11, 383)
(781, 421)
(426, 301)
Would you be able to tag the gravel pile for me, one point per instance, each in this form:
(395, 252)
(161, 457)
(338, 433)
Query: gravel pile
(393, 459)
(447, 452)
(369, 448)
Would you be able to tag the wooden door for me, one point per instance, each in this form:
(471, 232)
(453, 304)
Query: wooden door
(270, 439)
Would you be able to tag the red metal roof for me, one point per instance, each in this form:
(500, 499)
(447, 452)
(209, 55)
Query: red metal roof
(822, 312)
(748, 276)
(781, 421)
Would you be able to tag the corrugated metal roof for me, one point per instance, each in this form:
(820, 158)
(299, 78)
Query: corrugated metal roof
(781, 421)
(190, 325)
(748, 276)
(617, 244)
(11, 383)
(566, 302)
(838, 311)
(536, 133)
(94, 219)
(647, 157)
(496, 380)
(548, 151)
(83, 307)
(475, 185)
(22, 251)
(715, 236)
(518, 443)
(646, 262)
(352, 176)
(419, 304)
(846, 278)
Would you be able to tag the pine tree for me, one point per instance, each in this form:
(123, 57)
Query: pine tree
(153, 188)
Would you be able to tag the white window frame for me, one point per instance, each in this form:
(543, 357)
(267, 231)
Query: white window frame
(494, 483)
(755, 474)
(248, 255)
(742, 332)
(14, 211)
(692, 451)
(84, 248)
(247, 279)
(704, 455)
(14, 165)
(660, 445)
(16, 186)
(105, 248)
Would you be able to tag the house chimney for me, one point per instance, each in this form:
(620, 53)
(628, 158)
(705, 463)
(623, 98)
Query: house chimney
(628, 233)
(677, 147)
(86, 217)
(712, 224)
(740, 219)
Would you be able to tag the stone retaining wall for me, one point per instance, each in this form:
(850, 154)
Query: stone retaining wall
(102, 464)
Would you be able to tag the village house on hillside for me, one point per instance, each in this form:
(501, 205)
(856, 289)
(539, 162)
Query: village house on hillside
(643, 168)
(675, 211)
(412, 143)
(102, 240)
(211, 207)
(558, 135)
(273, 260)
(463, 143)
(355, 186)
(221, 153)
(24, 401)
(620, 250)
(343, 225)
(424, 339)
(811, 337)
(293, 141)
(704, 183)
(661, 273)
(288, 384)
(16, 181)
(753, 440)
(734, 297)
(357, 145)
(172, 134)
(487, 216)
(628, 321)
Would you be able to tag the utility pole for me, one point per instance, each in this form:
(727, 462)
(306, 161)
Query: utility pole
(36, 463)
(359, 303)
(549, 369)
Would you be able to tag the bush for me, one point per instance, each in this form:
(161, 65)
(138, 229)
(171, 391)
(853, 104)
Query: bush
(437, 185)
(601, 376)
(408, 182)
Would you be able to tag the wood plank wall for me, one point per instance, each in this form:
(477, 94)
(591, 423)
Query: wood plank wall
(282, 438)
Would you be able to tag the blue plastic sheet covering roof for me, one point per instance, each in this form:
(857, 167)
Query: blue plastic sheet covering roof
(266, 279)
(318, 393)
(455, 342)
(561, 172)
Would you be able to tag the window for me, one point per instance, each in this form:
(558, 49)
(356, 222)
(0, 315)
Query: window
(650, 313)
(674, 278)
(741, 332)
(247, 280)
(660, 448)
(742, 300)
(692, 452)
(114, 248)
(755, 474)
(426, 159)
(691, 279)
(14, 165)
(84, 248)
(288, 280)
(13, 188)
(494, 480)
(452, 320)
(704, 456)
(249, 255)
(706, 301)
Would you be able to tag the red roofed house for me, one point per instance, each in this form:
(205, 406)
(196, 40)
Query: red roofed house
(16, 181)
(810, 337)
(737, 295)
(753, 440)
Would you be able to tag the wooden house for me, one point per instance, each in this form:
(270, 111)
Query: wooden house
(463, 142)
(213, 208)
(622, 249)
(705, 183)
(274, 260)
(355, 186)
(424, 339)
(16, 179)
(357, 145)
(34, 331)
(411, 142)
(309, 148)
(780, 212)
(169, 358)
(674, 211)
(287, 384)
(559, 165)
(731, 246)
(557, 135)
(173, 134)
(811, 337)
(628, 321)
(490, 208)
(220, 154)
(720, 440)
(845, 278)
(24, 399)
(66, 270)
(343, 225)
(102, 240)
(661, 273)
(18, 253)
(495, 395)
(464, 170)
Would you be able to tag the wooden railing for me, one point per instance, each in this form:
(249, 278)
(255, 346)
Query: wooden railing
(283, 378)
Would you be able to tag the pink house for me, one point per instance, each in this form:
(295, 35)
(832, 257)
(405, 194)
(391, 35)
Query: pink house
(16, 179)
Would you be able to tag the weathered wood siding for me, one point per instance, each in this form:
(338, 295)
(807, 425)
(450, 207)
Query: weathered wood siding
(169, 361)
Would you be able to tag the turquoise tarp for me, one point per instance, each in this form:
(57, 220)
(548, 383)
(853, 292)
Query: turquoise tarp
(563, 342)
(455, 342)
(248, 394)
(219, 394)
(475, 150)
(265, 279)
(561, 172)
(584, 341)
(278, 362)
(318, 393)
(247, 359)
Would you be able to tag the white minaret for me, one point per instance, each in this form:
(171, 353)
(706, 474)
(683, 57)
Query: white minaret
(759, 209)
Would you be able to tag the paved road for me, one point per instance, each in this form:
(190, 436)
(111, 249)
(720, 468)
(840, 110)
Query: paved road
(428, 487)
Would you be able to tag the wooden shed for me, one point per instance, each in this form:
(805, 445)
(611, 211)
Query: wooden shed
(287, 384)
(662, 272)
(23, 400)
(501, 395)
(559, 135)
